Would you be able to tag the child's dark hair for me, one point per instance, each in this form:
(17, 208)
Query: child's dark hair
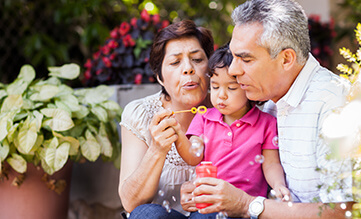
(221, 58)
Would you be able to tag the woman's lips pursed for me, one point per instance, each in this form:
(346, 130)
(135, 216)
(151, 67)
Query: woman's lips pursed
(190, 85)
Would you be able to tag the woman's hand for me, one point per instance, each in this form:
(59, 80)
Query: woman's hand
(162, 131)
(187, 201)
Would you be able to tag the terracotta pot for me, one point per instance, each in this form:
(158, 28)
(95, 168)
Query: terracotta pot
(33, 199)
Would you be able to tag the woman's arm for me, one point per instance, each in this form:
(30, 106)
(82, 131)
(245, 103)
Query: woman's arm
(141, 166)
(274, 174)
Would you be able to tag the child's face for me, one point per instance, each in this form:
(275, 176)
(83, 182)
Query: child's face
(227, 95)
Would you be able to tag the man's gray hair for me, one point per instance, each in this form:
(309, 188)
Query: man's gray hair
(285, 25)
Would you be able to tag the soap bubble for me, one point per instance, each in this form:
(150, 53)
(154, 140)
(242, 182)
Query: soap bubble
(166, 206)
(222, 215)
(348, 214)
(174, 199)
(290, 204)
(272, 195)
(161, 193)
(251, 163)
(259, 158)
(275, 141)
(192, 174)
(196, 148)
(343, 206)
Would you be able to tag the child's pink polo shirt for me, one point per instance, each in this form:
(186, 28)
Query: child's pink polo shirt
(233, 149)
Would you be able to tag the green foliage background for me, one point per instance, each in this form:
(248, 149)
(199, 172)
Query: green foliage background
(51, 33)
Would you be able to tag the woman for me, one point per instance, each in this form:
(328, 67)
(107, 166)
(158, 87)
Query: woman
(151, 169)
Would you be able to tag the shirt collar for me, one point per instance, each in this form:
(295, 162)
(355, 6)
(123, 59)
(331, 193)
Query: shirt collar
(250, 117)
(296, 92)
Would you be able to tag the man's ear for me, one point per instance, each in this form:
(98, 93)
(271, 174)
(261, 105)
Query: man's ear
(289, 58)
(160, 81)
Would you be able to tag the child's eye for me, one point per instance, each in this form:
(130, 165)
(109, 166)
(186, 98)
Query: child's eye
(232, 88)
(215, 88)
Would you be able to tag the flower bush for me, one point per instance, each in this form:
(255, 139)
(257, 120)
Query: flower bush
(321, 35)
(123, 58)
(342, 128)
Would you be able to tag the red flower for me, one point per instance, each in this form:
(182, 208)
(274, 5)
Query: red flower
(87, 74)
(105, 49)
(128, 40)
(156, 18)
(114, 33)
(124, 28)
(96, 55)
(133, 22)
(107, 62)
(145, 16)
(113, 44)
(146, 59)
(88, 63)
(165, 23)
(112, 56)
(98, 72)
(138, 79)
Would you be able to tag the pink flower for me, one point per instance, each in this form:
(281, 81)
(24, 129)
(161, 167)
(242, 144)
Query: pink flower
(87, 74)
(156, 18)
(165, 23)
(138, 79)
(133, 22)
(144, 15)
(105, 49)
(114, 33)
(107, 62)
(124, 28)
(88, 63)
(96, 55)
(128, 40)
(112, 56)
(113, 44)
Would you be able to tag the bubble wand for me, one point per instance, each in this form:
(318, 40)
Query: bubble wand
(200, 109)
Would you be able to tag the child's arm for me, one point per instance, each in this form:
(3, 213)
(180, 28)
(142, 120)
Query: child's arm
(274, 174)
(184, 145)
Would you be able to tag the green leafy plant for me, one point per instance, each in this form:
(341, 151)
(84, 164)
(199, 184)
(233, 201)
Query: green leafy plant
(46, 122)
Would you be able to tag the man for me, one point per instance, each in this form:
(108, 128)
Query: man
(270, 45)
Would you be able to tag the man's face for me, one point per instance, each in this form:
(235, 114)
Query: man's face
(257, 73)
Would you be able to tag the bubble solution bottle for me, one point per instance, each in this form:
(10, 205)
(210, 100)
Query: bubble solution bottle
(206, 169)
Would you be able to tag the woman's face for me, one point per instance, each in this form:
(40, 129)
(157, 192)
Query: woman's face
(184, 70)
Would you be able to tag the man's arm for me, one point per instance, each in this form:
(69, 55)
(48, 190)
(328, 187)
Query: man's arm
(227, 198)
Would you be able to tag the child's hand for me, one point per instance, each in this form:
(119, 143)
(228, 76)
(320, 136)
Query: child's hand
(282, 193)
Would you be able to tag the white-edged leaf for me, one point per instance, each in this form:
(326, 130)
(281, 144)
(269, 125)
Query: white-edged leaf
(103, 139)
(39, 119)
(111, 105)
(60, 119)
(3, 93)
(17, 162)
(12, 132)
(100, 112)
(96, 95)
(81, 113)
(6, 121)
(45, 92)
(67, 71)
(12, 102)
(71, 101)
(27, 135)
(90, 148)
(57, 157)
(27, 73)
(74, 143)
(4, 150)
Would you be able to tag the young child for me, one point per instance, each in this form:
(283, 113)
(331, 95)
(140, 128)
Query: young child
(238, 138)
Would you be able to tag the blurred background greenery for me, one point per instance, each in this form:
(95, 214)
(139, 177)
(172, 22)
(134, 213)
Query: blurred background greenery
(47, 33)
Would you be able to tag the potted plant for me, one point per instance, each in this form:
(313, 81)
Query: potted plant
(44, 126)
(123, 58)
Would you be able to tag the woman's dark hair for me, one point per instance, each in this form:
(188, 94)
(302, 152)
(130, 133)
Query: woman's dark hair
(221, 58)
(182, 29)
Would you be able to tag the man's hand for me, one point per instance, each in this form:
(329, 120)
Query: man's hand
(223, 195)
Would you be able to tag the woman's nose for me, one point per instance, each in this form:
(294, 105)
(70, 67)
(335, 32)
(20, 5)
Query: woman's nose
(188, 68)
